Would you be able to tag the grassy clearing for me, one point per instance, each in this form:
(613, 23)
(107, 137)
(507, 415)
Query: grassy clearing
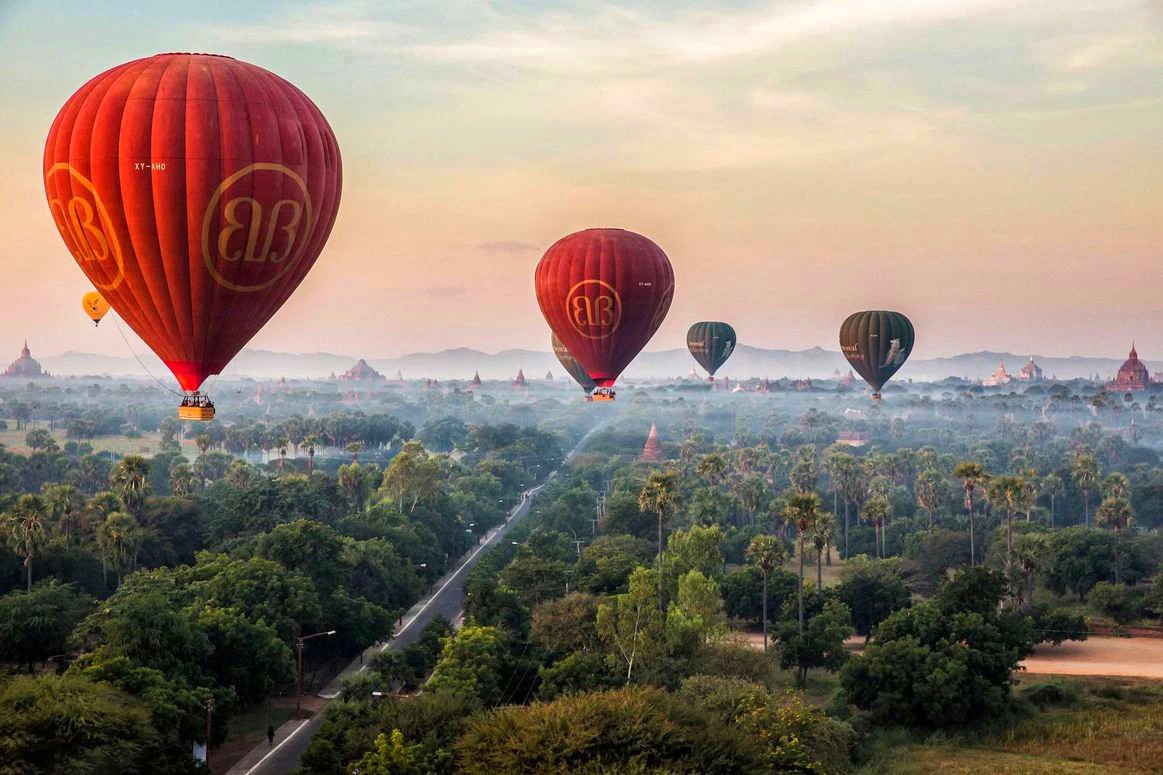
(1096, 725)
(13, 441)
(831, 572)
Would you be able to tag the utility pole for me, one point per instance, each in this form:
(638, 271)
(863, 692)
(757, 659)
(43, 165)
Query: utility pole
(209, 715)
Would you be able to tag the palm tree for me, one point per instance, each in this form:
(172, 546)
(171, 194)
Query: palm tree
(1031, 487)
(311, 440)
(1007, 493)
(927, 491)
(1118, 514)
(203, 441)
(119, 537)
(282, 444)
(877, 511)
(1030, 554)
(823, 530)
(766, 552)
(65, 504)
(1052, 486)
(1116, 485)
(1085, 476)
(130, 480)
(354, 448)
(972, 476)
(753, 494)
(854, 486)
(26, 529)
(712, 467)
(658, 495)
(802, 509)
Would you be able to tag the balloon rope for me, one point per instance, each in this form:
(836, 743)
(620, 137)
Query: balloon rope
(139, 361)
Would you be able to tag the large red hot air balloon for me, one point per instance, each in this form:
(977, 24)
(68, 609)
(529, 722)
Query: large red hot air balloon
(604, 292)
(195, 191)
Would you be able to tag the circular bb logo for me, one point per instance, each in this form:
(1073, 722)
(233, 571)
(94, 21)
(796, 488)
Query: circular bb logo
(253, 232)
(594, 309)
(85, 226)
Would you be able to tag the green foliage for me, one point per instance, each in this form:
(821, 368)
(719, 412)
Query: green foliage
(36, 625)
(631, 627)
(472, 665)
(394, 757)
(607, 562)
(872, 589)
(567, 624)
(1056, 625)
(626, 730)
(1115, 601)
(743, 592)
(821, 644)
(1079, 558)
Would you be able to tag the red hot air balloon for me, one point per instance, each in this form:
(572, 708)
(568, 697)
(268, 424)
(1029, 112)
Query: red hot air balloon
(604, 292)
(195, 191)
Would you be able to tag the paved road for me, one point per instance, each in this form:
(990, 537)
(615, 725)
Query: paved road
(447, 600)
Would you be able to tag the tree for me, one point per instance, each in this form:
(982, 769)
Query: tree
(120, 538)
(767, 553)
(70, 724)
(65, 505)
(972, 476)
(1052, 486)
(696, 613)
(35, 625)
(802, 509)
(246, 654)
(1085, 474)
(184, 482)
(26, 530)
(567, 624)
(877, 510)
(872, 590)
(471, 665)
(1005, 493)
(930, 492)
(753, 495)
(1115, 601)
(1078, 558)
(823, 529)
(712, 467)
(130, 480)
(696, 548)
(394, 757)
(1115, 512)
(819, 644)
(412, 476)
(40, 440)
(659, 496)
(630, 625)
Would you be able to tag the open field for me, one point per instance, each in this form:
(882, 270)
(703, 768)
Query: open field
(13, 441)
(1127, 657)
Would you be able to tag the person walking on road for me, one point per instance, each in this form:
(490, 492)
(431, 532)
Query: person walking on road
(270, 735)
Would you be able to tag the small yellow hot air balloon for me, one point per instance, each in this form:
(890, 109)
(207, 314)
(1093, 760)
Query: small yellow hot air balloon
(95, 306)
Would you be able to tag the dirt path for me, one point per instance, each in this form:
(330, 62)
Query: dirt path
(1126, 657)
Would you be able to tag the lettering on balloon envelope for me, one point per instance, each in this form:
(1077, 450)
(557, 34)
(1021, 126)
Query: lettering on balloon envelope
(257, 225)
(85, 225)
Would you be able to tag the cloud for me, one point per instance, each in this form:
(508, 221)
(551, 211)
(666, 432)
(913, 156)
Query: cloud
(1083, 53)
(507, 246)
(345, 24)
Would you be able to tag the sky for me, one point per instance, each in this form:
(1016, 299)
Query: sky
(992, 168)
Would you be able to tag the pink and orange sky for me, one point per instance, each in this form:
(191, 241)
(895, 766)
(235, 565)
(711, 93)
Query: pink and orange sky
(992, 168)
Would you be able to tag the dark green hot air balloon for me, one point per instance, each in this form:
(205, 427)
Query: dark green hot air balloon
(571, 365)
(877, 343)
(711, 344)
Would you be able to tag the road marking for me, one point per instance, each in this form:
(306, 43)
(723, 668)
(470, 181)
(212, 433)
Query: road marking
(282, 742)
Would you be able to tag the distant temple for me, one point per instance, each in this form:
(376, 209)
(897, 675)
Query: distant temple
(549, 376)
(852, 438)
(802, 384)
(764, 386)
(26, 366)
(520, 381)
(1132, 376)
(1031, 372)
(361, 372)
(652, 451)
(999, 377)
(848, 378)
(476, 378)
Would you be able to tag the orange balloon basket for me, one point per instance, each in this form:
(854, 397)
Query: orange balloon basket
(197, 413)
(603, 394)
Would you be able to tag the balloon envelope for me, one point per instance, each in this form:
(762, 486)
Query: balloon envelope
(195, 191)
(604, 292)
(571, 365)
(94, 305)
(876, 343)
(711, 344)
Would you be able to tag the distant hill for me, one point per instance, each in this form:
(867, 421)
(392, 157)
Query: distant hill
(460, 363)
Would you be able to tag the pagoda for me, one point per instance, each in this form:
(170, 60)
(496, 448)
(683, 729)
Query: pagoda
(549, 376)
(1031, 372)
(1132, 376)
(848, 378)
(361, 372)
(652, 451)
(999, 377)
(476, 378)
(26, 367)
(520, 381)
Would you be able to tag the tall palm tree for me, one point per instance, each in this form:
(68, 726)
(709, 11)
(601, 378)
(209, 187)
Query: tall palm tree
(1118, 514)
(1031, 487)
(753, 494)
(119, 537)
(928, 491)
(65, 504)
(1007, 493)
(1116, 485)
(311, 440)
(659, 496)
(355, 448)
(854, 487)
(823, 530)
(766, 551)
(712, 467)
(802, 509)
(972, 476)
(1030, 556)
(1085, 474)
(1052, 486)
(203, 441)
(877, 511)
(26, 529)
(130, 480)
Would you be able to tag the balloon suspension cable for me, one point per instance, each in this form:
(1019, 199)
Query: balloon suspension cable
(140, 363)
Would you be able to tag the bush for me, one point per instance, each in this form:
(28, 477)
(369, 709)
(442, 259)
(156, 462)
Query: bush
(1054, 694)
(1115, 601)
